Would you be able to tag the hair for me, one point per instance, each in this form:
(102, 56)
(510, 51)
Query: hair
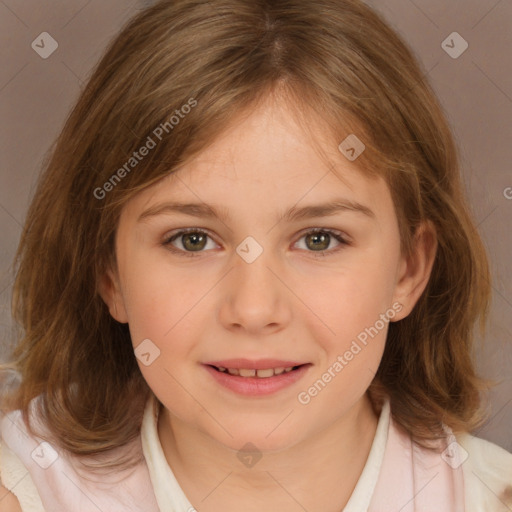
(337, 61)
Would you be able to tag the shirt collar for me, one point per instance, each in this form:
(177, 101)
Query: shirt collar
(170, 496)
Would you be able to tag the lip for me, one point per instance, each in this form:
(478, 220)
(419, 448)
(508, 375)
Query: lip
(255, 364)
(256, 386)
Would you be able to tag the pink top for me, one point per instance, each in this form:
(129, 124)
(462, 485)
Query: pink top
(469, 475)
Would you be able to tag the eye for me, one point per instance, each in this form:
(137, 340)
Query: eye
(319, 239)
(194, 240)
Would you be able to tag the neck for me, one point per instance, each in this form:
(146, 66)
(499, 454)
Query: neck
(330, 461)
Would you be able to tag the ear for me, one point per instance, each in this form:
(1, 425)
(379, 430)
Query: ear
(414, 271)
(110, 292)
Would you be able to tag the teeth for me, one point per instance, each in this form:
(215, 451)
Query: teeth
(262, 374)
(247, 373)
(265, 373)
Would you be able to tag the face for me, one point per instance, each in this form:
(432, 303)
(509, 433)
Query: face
(271, 280)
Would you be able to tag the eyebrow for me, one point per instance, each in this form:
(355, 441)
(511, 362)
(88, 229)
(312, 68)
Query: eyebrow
(293, 214)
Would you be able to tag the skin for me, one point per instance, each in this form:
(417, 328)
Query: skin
(290, 303)
(8, 501)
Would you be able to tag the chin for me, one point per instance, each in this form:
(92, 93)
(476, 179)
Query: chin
(257, 439)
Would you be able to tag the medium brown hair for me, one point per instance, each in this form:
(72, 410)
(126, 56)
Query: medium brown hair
(333, 59)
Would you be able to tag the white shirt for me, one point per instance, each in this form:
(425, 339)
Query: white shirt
(485, 476)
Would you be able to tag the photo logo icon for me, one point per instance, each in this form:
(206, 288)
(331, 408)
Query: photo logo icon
(249, 250)
(249, 455)
(44, 45)
(44, 455)
(454, 455)
(146, 352)
(454, 45)
(351, 147)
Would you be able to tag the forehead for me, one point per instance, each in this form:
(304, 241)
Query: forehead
(265, 159)
(268, 138)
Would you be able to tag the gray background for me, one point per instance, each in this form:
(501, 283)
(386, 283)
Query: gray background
(475, 89)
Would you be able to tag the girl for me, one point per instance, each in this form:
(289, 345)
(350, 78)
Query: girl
(249, 277)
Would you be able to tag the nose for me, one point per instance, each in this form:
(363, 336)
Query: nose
(254, 298)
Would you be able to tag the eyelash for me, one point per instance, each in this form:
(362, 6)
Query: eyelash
(336, 234)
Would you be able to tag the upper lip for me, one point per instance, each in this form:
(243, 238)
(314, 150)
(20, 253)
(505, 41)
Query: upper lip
(255, 364)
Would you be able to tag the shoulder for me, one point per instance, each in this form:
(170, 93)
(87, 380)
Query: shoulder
(44, 476)
(17, 490)
(487, 470)
(8, 502)
(16, 482)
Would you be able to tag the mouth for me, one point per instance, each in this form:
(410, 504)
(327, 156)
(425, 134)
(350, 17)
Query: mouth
(262, 373)
(256, 378)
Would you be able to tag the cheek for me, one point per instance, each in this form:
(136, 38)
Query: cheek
(163, 313)
(356, 305)
(352, 348)
(353, 297)
(150, 310)
(158, 297)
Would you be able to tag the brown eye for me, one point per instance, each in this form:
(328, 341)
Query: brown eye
(194, 241)
(191, 242)
(318, 241)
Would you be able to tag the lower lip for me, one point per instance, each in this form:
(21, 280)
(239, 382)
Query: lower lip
(256, 386)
